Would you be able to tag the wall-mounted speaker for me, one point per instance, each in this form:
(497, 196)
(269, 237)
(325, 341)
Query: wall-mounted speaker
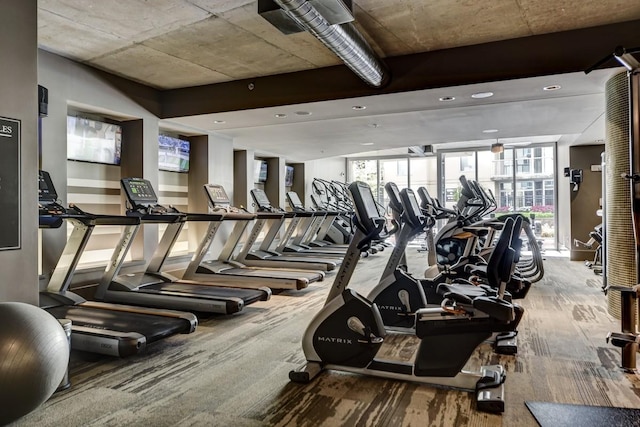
(43, 101)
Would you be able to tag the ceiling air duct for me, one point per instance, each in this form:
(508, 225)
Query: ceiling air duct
(343, 38)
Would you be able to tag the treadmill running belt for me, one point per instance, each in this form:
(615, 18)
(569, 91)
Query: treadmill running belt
(248, 296)
(152, 327)
(269, 273)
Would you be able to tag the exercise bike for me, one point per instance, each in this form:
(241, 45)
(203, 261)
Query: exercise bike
(348, 331)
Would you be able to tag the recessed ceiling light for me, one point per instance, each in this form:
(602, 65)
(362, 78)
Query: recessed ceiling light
(490, 131)
(218, 122)
(552, 87)
(280, 116)
(366, 143)
(359, 107)
(481, 95)
(447, 98)
(303, 113)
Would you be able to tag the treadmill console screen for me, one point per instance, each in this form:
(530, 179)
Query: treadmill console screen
(261, 198)
(217, 195)
(139, 191)
(295, 200)
(46, 190)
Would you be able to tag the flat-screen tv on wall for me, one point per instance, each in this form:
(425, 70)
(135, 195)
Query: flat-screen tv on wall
(173, 154)
(93, 141)
(260, 171)
(288, 176)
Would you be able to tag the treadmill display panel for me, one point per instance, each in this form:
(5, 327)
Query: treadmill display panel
(46, 190)
(139, 191)
(261, 198)
(295, 200)
(217, 195)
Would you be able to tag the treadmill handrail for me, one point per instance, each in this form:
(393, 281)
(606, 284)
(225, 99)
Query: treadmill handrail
(239, 216)
(93, 219)
(202, 217)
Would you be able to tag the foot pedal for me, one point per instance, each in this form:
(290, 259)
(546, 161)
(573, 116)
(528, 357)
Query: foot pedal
(305, 373)
(299, 377)
(506, 343)
(490, 389)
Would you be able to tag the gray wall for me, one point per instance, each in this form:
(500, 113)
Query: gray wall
(18, 68)
(586, 201)
(334, 168)
(74, 87)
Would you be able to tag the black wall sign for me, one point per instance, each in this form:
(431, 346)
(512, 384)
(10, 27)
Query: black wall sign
(9, 183)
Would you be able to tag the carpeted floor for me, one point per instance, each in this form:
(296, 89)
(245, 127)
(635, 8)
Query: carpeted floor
(233, 371)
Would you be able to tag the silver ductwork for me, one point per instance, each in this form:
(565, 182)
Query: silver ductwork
(342, 39)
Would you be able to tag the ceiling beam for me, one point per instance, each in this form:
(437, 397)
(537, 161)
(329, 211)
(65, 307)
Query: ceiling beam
(547, 54)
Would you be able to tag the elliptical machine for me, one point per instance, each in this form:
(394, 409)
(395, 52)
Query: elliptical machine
(348, 331)
(398, 294)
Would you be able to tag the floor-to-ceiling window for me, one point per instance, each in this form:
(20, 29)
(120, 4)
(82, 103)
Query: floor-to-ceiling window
(454, 164)
(392, 170)
(423, 172)
(365, 171)
(522, 178)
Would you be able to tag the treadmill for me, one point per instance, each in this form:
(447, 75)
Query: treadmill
(153, 288)
(290, 243)
(265, 255)
(109, 329)
(227, 270)
(307, 235)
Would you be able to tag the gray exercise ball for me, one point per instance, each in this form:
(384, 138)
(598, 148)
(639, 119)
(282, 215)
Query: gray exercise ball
(34, 354)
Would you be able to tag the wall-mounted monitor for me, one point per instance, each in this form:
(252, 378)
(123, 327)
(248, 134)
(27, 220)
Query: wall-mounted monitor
(288, 176)
(260, 171)
(173, 154)
(93, 141)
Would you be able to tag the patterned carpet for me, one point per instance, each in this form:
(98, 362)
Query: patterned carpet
(233, 371)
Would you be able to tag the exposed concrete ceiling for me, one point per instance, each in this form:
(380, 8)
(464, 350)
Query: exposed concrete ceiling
(169, 44)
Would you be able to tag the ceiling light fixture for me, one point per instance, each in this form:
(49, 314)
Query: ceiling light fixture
(552, 87)
(218, 122)
(359, 107)
(303, 113)
(447, 98)
(366, 143)
(481, 95)
(497, 147)
(280, 116)
(490, 131)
